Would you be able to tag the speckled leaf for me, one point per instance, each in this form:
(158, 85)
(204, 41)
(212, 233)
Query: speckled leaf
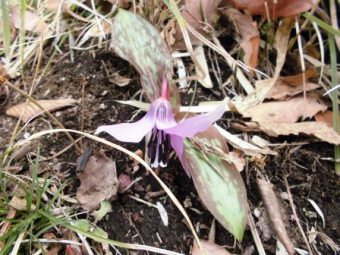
(137, 41)
(218, 183)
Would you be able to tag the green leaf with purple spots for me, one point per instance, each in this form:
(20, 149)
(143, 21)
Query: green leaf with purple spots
(218, 183)
(137, 41)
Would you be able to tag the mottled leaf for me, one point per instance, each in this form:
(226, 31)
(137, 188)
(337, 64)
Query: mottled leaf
(218, 183)
(137, 41)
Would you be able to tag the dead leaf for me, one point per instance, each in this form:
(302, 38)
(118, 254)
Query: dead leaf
(273, 210)
(317, 129)
(29, 111)
(32, 21)
(72, 249)
(279, 8)
(204, 77)
(124, 182)
(297, 79)
(286, 111)
(250, 37)
(209, 248)
(20, 204)
(282, 89)
(238, 160)
(98, 181)
(119, 80)
(200, 15)
(325, 117)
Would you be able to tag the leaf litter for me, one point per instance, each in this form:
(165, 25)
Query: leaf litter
(98, 180)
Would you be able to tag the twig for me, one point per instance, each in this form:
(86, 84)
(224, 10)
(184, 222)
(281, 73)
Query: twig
(296, 218)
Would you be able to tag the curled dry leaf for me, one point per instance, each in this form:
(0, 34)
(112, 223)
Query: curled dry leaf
(210, 248)
(32, 21)
(318, 129)
(119, 80)
(279, 8)
(286, 111)
(250, 37)
(98, 181)
(273, 210)
(325, 117)
(283, 89)
(124, 182)
(200, 15)
(29, 111)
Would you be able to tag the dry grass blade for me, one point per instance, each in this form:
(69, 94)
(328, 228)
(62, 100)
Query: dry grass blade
(272, 206)
(132, 155)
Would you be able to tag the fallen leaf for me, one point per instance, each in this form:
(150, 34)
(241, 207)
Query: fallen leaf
(325, 117)
(119, 80)
(98, 181)
(317, 129)
(278, 8)
(29, 111)
(200, 15)
(210, 248)
(286, 111)
(204, 77)
(282, 37)
(32, 21)
(250, 37)
(238, 160)
(273, 210)
(297, 79)
(282, 89)
(20, 204)
(72, 249)
(124, 182)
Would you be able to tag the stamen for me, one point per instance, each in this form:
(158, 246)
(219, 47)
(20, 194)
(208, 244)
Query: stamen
(159, 148)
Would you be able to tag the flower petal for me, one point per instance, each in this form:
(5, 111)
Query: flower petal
(132, 132)
(165, 117)
(199, 123)
(177, 142)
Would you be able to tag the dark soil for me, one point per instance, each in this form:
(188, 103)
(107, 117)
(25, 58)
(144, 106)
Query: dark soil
(309, 175)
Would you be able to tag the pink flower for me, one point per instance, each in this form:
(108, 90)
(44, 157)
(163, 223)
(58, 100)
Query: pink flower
(165, 130)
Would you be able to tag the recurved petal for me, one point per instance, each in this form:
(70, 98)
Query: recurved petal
(130, 132)
(199, 123)
(177, 144)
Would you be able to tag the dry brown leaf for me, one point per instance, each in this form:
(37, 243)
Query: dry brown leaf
(250, 37)
(318, 129)
(286, 111)
(32, 21)
(192, 13)
(273, 210)
(30, 111)
(325, 117)
(98, 181)
(283, 89)
(297, 79)
(209, 248)
(119, 80)
(279, 8)
(238, 159)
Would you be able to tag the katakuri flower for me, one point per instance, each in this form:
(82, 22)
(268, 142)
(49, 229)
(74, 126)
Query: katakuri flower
(165, 130)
